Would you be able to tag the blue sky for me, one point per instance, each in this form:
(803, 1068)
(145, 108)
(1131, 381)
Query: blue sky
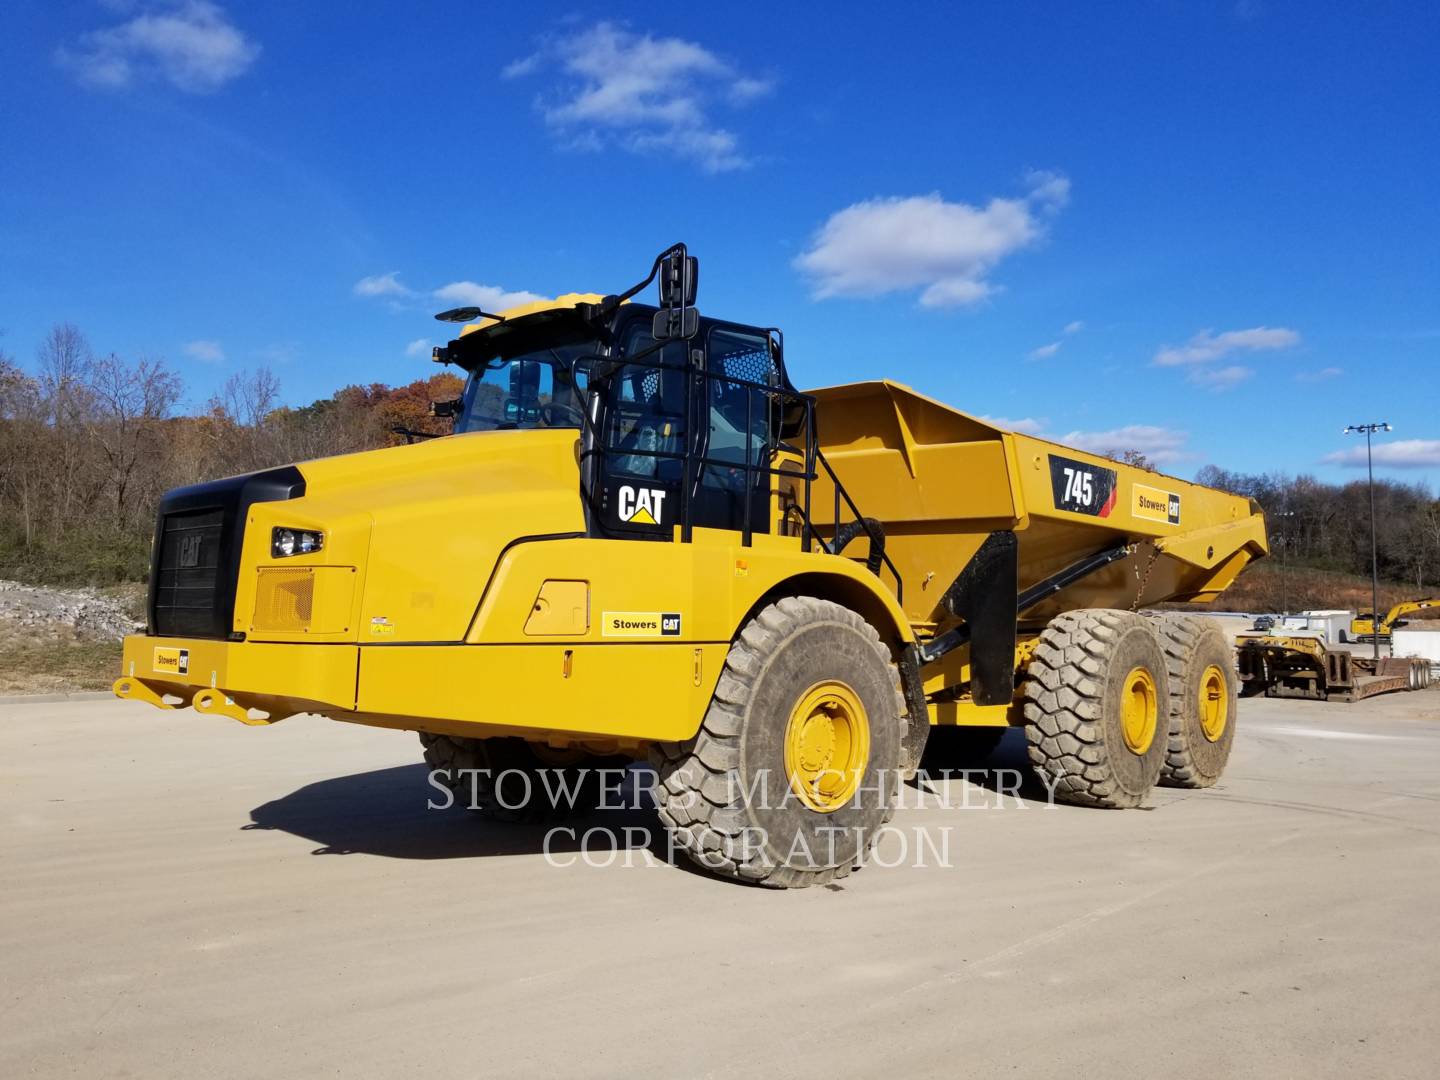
(1209, 231)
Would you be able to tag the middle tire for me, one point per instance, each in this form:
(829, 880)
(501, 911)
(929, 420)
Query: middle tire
(797, 763)
(1096, 696)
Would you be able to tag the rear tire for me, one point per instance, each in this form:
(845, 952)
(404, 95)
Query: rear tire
(809, 691)
(1095, 694)
(510, 780)
(1203, 699)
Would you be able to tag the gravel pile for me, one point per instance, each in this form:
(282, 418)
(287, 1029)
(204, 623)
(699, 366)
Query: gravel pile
(40, 607)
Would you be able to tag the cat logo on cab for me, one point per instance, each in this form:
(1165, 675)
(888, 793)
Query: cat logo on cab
(641, 506)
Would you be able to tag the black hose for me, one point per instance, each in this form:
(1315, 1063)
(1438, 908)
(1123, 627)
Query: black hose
(865, 526)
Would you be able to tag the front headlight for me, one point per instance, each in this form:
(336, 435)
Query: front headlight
(286, 542)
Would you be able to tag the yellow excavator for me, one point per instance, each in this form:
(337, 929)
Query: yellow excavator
(1363, 627)
(642, 542)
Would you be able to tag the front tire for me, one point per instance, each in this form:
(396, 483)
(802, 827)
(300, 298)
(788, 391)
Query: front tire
(1095, 700)
(796, 765)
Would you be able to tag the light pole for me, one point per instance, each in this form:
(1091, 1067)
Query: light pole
(1369, 430)
(1284, 543)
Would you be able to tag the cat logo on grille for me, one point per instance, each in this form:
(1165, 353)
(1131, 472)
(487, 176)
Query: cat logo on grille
(189, 553)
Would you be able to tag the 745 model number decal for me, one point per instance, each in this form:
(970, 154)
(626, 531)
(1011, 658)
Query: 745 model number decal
(1082, 488)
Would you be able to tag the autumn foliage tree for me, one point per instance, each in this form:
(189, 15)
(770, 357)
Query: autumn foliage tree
(89, 444)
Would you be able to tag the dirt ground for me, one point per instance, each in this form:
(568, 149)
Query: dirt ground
(55, 640)
(185, 896)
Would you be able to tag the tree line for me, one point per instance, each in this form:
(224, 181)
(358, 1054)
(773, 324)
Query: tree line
(89, 443)
(1327, 526)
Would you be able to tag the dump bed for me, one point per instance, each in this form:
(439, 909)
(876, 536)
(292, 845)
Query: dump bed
(941, 481)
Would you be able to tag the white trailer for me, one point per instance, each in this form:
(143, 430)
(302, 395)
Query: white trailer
(1422, 643)
(1334, 624)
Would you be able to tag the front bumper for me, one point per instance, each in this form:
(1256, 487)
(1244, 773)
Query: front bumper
(235, 678)
(615, 694)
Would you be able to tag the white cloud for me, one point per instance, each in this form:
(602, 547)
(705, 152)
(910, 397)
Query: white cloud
(945, 249)
(389, 287)
(642, 93)
(418, 347)
(1160, 445)
(279, 353)
(1044, 352)
(382, 285)
(1218, 379)
(1026, 425)
(1401, 454)
(207, 352)
(1320, 376)
(1207, 346)
(1073, 327)
(190, 43)
(489, 297)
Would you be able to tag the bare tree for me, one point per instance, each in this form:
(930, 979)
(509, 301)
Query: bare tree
(22, 430)
(248, 397)
(238, 427)
(130, 402)
(64, 360)
(1132, 457)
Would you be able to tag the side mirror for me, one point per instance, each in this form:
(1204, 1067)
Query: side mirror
(679, 278)
(672, 324)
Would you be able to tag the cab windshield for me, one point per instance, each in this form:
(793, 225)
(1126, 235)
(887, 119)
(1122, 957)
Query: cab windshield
(538, 389)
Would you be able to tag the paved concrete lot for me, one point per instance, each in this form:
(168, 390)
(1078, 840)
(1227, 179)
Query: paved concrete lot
(187, 897)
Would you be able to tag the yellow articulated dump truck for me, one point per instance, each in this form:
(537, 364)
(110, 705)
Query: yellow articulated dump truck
(641, 541)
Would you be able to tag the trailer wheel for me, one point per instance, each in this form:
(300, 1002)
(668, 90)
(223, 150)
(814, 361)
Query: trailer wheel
(511, 780)
(797, 763)
(1203, 696)
(1095, 694)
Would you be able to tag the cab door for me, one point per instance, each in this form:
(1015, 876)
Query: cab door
(738, 421)
(644, 438)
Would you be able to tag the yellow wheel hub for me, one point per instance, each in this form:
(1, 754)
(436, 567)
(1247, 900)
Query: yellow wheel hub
(827, 745)
(1139, 710)
(1214, 703)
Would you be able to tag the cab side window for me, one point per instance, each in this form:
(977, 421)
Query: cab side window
(738, 420)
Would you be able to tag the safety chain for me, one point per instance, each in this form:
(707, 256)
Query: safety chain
(1145, 579)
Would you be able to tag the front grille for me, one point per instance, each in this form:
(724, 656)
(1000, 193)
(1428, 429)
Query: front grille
(195, 562)
(187, 585)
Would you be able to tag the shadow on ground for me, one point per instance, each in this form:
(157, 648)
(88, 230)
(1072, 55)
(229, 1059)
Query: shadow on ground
(385, 813)
(1005, 773)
